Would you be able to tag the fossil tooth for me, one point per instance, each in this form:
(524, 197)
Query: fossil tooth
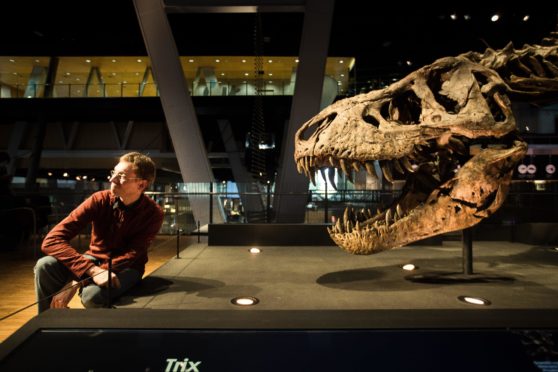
(399, 211)
(339, 226)
(299, 166)
(386, 171)
(332, 161)
(331, 177)
(313, 176)
(389, 216)
(346, 215)
(397, 166)
(356, 166)
(322, 173)
(343, 166)
(407, 164)
(370, 169)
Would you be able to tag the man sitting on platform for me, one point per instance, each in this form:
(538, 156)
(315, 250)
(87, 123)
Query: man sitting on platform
(124, 223)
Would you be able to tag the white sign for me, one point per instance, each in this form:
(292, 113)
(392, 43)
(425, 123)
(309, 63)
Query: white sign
(522, 169)
(550, 168)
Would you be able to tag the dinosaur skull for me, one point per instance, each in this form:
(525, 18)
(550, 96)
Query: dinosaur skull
(424, 128)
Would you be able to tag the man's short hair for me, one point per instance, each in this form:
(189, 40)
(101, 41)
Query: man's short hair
(142, 164)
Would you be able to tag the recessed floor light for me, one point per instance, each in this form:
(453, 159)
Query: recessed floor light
(409, 267)
(474, 300)
(245, 301)
(255, 250)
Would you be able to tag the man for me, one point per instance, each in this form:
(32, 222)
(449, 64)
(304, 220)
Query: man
(124, 223)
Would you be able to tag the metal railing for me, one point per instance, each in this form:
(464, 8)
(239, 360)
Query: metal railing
(527, 202)
(122, 90)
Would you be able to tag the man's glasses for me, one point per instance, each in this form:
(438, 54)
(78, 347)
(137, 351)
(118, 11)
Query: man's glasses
(122, 176)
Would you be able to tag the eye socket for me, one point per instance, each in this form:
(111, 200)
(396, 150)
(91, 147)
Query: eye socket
(404, 109)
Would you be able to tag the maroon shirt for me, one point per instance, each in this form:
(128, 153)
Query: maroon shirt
(117, 230)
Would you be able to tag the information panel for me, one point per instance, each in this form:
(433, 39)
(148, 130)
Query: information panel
(285, 350)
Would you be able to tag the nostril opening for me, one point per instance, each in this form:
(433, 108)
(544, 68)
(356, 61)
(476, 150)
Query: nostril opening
(368, 118)
(318, 125)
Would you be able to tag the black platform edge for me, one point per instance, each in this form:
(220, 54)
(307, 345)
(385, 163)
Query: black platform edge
(251, 319)
(279, 234)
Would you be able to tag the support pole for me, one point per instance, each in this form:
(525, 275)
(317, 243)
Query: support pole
(109, 285)
(177, 243)
(467, 240)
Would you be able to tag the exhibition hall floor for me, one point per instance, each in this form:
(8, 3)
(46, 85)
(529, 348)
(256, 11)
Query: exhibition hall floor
(509, 275)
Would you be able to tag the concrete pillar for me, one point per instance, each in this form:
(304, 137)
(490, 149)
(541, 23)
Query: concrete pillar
(291, 188)
(177, 103)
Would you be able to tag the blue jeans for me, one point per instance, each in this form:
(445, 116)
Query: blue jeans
(51, 276)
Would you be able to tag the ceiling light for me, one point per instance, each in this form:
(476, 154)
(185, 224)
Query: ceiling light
(526, 17)
(453, 16)
(474, 300)
(191, 60)
(269, 61)
(87, 61)
(139, 60)
(113, 61)
(243, 61)
(217, 60)
(255, 250)
(246, 74)
(12, 60)
(245, 301)
(495, 18)
(466, 17)
(297, 60)
(341, 61)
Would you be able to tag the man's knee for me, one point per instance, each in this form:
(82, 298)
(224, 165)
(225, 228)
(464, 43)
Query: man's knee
(44, 263)
(92, 297)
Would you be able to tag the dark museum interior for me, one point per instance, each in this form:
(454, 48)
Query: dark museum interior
(233, 101)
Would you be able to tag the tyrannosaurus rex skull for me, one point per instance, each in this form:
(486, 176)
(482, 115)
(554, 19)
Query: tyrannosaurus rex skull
(423, 128)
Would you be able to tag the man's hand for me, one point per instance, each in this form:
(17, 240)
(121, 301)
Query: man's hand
(63, 298)
(100, 277)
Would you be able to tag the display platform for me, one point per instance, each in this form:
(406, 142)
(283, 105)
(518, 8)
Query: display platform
(319, 308)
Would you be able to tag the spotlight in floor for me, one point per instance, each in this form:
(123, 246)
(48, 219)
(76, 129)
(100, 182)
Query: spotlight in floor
(474, 300)
(409, 267)
(245, 301)
(254, 250)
